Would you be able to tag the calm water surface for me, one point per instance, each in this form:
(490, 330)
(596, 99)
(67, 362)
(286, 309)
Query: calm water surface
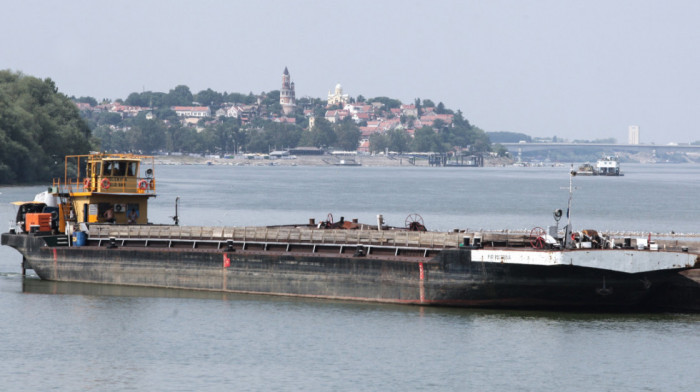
(58, 336)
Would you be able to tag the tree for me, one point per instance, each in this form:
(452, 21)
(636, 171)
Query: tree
(398, 140)
(426, 140)
(408, 121)
(378, 142)
(179, 96)
(146, 135)
(347, 135)
(209, 97)
(276, 108)
(225, 136)
(38, 127)
(136, 99)
(167, 115)
(501, 151)
(239, 98)
(419, 108)
(89, 100)
(460, 121)
(110, 140)
(180, 139)
(389, 103)
(147, 99)
(108, 118)
(440, 109)
(282, 135)
(258, 142)
(480, 141)
(439, 125)
(321, 135)
(271, 97)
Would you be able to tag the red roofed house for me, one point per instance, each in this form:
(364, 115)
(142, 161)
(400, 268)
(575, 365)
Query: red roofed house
(364, 146)
(359, 117)
(409, 110)
(129, 111)
(83, 105)
(431, 117)
(369, 131)
(336, 115)
(285, 120)
(358, 108)
(389, 124)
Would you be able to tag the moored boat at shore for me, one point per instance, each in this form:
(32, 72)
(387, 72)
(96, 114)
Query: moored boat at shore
(551, 268)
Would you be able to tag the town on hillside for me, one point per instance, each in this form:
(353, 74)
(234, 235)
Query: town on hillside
(229, 123)
(226, 124)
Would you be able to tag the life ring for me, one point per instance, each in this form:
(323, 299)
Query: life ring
(143, 185)
(86, 184)
(105, 183)
(152, 184)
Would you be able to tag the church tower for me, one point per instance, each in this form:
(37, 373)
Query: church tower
(287, 95)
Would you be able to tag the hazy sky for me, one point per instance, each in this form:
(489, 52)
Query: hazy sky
(574, 69)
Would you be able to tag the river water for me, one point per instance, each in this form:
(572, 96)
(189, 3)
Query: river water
(58, 336)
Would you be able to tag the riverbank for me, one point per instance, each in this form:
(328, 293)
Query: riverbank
(308, 160)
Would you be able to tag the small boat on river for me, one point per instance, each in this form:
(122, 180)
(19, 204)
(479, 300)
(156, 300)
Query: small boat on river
(605, 166)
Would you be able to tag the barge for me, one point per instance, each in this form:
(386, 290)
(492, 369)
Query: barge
(92, 227)
(605, 166)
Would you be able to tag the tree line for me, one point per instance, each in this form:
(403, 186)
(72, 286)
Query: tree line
(38, 127)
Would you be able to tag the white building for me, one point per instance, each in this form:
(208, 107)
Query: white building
(192, 111)
(633, 134)
(338, 98)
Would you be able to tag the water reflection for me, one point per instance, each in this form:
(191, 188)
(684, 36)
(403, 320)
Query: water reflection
(33, 285)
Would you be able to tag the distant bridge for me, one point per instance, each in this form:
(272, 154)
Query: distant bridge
(630, 148)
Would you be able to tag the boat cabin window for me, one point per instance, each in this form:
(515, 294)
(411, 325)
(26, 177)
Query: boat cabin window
(119, 169)
(132, 169)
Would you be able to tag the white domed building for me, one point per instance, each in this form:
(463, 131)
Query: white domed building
(337, 98)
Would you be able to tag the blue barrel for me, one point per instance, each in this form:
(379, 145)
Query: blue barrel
(80, 238)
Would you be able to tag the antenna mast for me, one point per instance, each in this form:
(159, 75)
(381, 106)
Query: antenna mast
(567, 232)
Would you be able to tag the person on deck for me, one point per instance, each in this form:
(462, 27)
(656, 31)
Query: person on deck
(109, 215)
(132, 216)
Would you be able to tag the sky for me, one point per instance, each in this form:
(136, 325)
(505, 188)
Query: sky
(566, 68)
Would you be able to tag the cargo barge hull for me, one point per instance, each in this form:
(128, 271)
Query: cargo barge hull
(447, 277)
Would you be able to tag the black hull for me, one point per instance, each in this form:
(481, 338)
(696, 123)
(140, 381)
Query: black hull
(449, 278)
